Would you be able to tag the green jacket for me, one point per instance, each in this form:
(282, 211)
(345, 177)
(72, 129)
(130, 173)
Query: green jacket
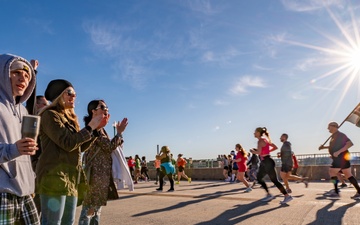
(59, 163)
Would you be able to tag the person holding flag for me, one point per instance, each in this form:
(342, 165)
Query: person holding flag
(338, 149)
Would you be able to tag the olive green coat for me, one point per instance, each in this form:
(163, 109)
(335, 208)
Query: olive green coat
(59, 162)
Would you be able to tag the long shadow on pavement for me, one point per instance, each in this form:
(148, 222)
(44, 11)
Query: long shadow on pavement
(326, 217)
(236, 214)
(200, 198)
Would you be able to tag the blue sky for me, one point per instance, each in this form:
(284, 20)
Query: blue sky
(197, 75)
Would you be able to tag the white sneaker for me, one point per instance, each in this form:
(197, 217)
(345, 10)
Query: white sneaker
(286, 199)
(268, 197)
(248, 189)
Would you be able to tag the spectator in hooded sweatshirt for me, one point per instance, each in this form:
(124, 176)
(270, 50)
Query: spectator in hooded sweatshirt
(16, 174)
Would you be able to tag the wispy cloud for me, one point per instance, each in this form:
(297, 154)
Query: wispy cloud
(226, 57)
(242, 85)
(262, 68)
(103, 36)
(305, 64)
(316, 86)
(309, 5)
(41, 26)
(131, 54)
(131, 71)
(220, 102)
(297, 96)
(272, 43)
(203, 6)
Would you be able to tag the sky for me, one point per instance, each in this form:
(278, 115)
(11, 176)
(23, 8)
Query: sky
(199, 75)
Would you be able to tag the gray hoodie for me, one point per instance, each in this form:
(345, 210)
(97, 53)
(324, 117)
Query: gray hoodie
(16, 174)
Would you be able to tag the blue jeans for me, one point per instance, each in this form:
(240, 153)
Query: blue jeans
(56, 210)
(93, 219)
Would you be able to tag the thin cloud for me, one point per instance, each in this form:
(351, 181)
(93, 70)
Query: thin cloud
(258, 67)
(202, 6)
(223, 58)
(297, 96)
(41, 26)
(103, 37)
(272, 42)
(123, 51)
(220, 102)
(306, 64)
(246, 82)
(315, 86)
(309, 5)
(132, 72)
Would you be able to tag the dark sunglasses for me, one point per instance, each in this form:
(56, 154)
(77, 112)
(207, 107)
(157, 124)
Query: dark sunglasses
(102, 107)
(71, 93)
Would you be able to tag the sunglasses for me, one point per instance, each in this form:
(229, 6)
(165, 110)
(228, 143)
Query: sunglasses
(71, 93)
(102, 107)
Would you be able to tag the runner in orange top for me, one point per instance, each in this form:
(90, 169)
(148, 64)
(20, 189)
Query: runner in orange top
(181, 162)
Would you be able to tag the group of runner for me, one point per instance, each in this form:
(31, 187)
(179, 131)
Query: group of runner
(238, 164)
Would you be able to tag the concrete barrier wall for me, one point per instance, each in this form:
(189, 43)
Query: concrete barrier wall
(313, 172)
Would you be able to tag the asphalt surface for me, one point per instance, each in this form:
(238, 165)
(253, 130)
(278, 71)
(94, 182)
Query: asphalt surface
(219, 202)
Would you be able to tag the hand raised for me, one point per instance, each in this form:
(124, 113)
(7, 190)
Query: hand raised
(121, 126)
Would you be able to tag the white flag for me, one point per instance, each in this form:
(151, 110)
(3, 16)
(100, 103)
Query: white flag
(354, 117)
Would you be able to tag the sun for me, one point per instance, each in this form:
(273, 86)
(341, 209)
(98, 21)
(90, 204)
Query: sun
(341, 55)
(354, 58)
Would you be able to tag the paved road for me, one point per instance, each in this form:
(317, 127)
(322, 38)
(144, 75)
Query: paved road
(216, 202)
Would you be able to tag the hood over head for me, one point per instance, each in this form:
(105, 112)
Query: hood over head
(8, 61)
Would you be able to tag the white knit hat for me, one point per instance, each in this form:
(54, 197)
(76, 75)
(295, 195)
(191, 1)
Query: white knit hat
(20, 65)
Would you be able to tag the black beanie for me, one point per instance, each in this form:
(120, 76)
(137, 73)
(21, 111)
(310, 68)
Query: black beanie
(55, 88)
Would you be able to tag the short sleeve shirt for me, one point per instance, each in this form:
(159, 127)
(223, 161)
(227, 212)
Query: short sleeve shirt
(286, 154)
(338, 140)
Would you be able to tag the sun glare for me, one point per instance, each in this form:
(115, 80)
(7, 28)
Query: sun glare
(342, 58)
(354, 58)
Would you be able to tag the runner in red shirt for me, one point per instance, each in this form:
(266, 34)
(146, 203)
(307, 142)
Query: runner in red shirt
(181, 162)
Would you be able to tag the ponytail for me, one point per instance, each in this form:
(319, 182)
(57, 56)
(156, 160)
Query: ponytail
(262, 131)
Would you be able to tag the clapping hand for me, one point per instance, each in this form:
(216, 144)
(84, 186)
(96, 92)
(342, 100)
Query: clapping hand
(121, 126)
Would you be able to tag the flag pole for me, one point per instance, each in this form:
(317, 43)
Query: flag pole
(343, 121)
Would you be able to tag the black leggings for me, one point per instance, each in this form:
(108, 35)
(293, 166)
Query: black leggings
(267, 166)
(170, 177)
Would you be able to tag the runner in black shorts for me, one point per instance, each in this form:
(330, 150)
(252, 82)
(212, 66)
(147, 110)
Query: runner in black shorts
(287, 164)
(338, 149)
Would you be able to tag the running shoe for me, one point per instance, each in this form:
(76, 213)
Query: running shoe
(171, 190)
(268, 197)
(159, 189)
(248, 189)
(189, 180)
(177, 182)
(356, 196)
(253, 185)
(333, 191)
(306, 182)
(343, 185)
(286, 199)
(289, 191)
(333, 195)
